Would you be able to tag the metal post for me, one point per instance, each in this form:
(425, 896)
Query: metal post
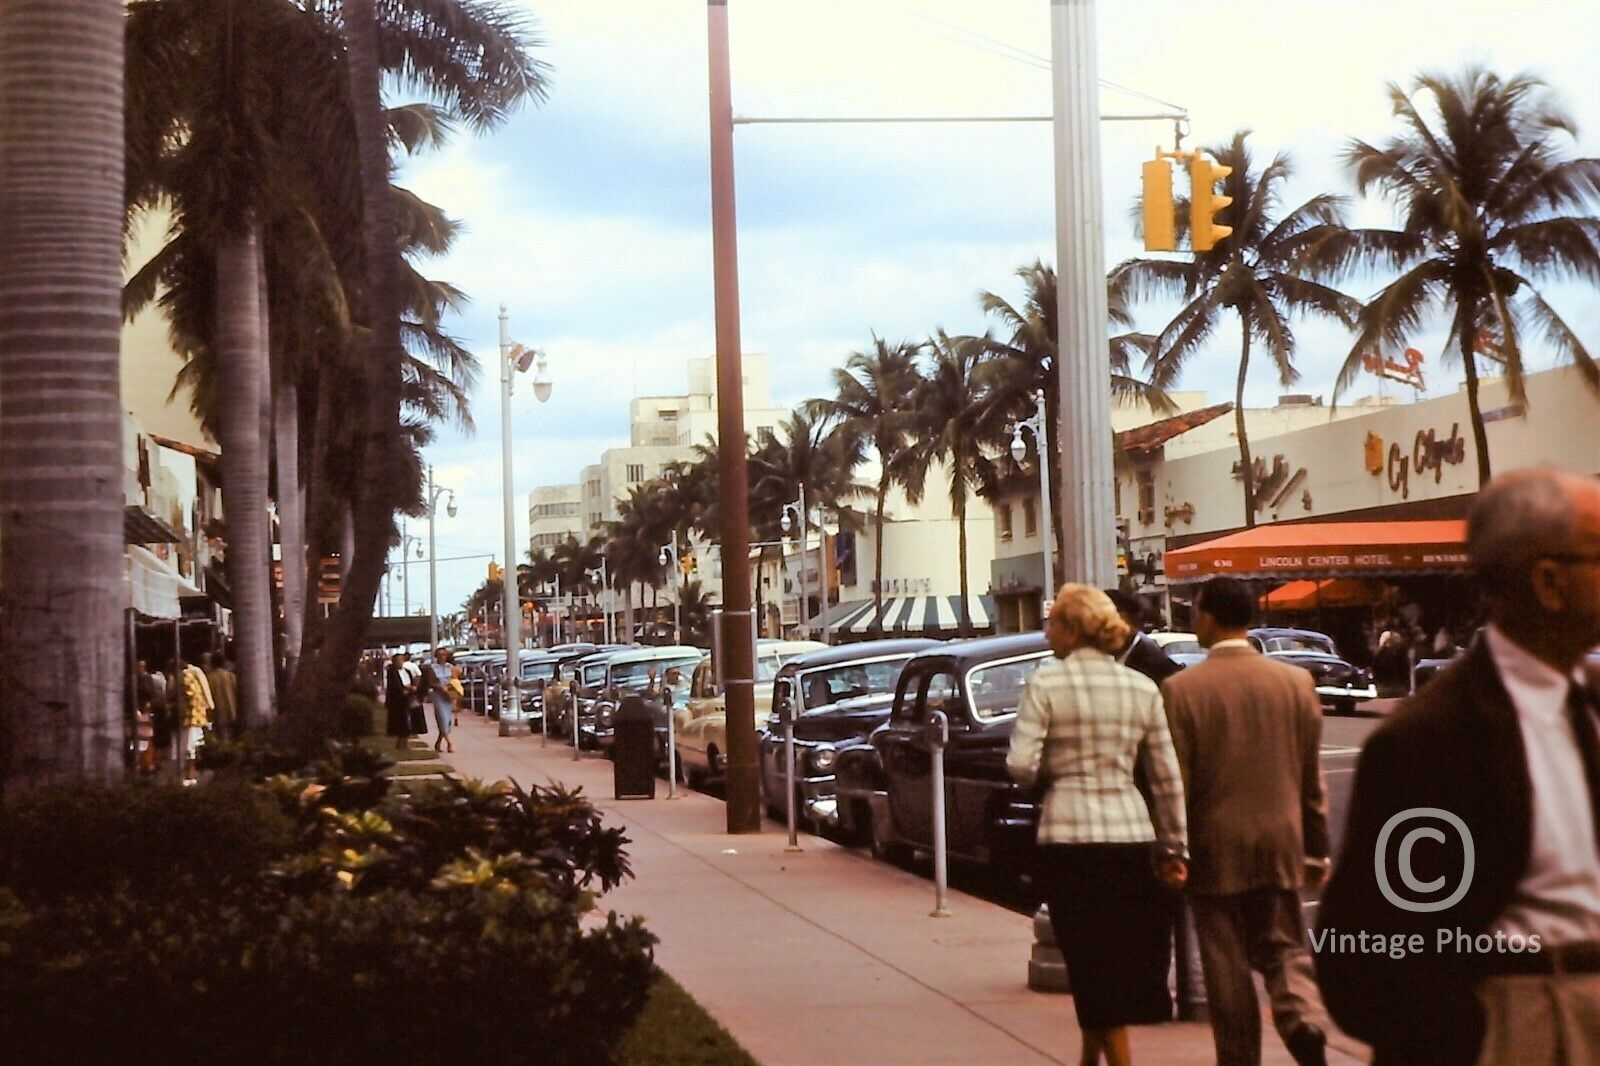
(822, 556)
(1042, 438)
(512, 617)
(672, 751)
(1084, 436)
(405, 569)
(433, 572)
(939, 734)
(788, 780)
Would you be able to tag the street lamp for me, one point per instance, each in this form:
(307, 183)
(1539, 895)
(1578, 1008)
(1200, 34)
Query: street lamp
(669, 554)
(433, 556)
(406, 542)
(514, 358)
(798, 510)
(604, 575)
(1040, 428)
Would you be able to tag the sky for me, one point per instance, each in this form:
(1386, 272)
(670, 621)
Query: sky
(589, 216)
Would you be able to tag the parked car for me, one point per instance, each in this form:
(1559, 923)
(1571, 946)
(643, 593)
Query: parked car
(559, 689)
(989, 819)
(588, 682)
(1182, 648)
(1339, 684)
(538, 669)
(838, 696)
(702, 726)
(475, 678)
(629, 673)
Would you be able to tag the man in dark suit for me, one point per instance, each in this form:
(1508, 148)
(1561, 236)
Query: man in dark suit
(1488, 903)
(1248, 733)
(1141, 653)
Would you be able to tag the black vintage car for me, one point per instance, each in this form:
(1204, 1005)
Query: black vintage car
(1339, 684)
(887, 784)
(837, 696)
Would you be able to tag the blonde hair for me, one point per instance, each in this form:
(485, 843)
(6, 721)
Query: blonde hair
(1089, 612)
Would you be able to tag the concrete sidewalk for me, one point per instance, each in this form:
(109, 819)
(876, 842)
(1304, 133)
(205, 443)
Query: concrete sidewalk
(827, 956)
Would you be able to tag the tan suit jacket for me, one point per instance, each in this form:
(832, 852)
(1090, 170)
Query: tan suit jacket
(1248, 733)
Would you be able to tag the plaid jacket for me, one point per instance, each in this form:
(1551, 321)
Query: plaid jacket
(1083, 722)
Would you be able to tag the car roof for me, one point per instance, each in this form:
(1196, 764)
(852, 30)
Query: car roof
(655, 654)
(789, 647)
(1172, 636)
(987, 649)
(861, 651)
(1286, 631)
(600, 658)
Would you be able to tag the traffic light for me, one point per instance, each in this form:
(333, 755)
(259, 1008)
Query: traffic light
(496, 572)
(1158, 220)
(688, 564)
(1205, 202)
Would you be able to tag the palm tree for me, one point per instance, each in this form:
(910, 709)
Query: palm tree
(871, 389)
(1489, 201)
(1258, 273)
(1022, 363)
(951, 429)
(61, 95)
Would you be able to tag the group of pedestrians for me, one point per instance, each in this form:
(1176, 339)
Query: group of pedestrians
(177, 707)
(1208, 781)
(412, 687)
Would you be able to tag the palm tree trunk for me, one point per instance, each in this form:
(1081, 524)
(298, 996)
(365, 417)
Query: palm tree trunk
(627, 614)
(1480, 435)
(1247, 474)
(61, 465)
(244, 466)
(961, 551)
(291, 508)
(877, 559)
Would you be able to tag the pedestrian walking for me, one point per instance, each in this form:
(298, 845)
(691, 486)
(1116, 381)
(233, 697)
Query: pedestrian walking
(1248, 733)
(436, 689)
(1140, 652)
(1502, 959)
(397, 702)
(195, 706)
(224, 693)
(1083, 723)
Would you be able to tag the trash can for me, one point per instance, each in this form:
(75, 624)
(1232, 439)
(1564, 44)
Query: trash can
(633, 750)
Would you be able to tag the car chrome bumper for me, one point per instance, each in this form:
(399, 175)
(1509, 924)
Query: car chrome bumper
(1342, 692)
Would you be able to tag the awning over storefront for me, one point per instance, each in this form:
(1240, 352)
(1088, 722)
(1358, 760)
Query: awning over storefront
(1326, 549)
(908, 614)
(153, 589)
(1335, 592)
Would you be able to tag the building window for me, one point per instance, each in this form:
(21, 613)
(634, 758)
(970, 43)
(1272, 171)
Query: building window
(1003, 521)
(667, 416)
(1030, 518)
(635, 472)
(1147, 496)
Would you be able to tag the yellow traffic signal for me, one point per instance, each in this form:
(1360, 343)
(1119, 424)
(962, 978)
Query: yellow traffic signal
(495, 572)
(1158, 221)
(688, 564)
(1205, 202)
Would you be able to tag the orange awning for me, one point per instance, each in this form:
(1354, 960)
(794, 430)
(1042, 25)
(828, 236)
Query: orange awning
(1327, 549)
(1334, 592)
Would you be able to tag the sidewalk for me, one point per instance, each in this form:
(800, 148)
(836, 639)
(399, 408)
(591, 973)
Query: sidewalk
(826, 956)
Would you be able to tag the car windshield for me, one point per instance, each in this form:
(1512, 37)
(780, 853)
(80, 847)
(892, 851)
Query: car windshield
(1299, 642)
(827, 685)
(633, 677)
(538, 671)
(997, 690)
(1183, 647)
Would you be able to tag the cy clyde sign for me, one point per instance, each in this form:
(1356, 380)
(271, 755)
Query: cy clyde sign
(1428, 452)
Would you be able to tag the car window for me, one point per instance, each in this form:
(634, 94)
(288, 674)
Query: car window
(831, 684)
(635, 676)
(538, 671)
(1301, 642)
(905, 704)
(939, 693)
(704, 684)
(767, 664)
(593, 675)
(997, 688)
(1182, 647)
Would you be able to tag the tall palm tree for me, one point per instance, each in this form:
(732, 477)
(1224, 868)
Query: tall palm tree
(1258, 274)
(1022, 362)
(61, 96)
(951, 430)
(1490, 201)
(869, 403)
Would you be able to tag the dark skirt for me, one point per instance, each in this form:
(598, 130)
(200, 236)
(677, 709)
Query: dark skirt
(1113, 921)
(397, 718)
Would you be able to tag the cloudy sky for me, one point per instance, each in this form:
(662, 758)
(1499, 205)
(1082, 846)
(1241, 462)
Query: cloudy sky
(589, 217)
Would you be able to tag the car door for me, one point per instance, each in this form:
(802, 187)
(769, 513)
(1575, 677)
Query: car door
(908, 764)
(976, 779)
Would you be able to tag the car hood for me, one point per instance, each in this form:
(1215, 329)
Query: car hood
(841, 721)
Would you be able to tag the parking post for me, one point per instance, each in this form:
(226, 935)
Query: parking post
(577, 752)
(672, 750)
(938, 737)
(785, 708)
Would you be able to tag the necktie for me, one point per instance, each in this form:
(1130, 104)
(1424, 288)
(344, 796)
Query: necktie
(1580, 708)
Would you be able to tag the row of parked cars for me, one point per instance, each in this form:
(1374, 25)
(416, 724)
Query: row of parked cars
(864, 756)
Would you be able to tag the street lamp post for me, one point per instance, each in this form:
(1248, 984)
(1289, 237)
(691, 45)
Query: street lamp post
(669, 554)
(513, 358)
(798, 510)
(433, 557)
(1039, 425)
(406, 541)
(605, 586)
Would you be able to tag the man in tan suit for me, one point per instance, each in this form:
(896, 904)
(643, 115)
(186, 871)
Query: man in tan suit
(1248, 731)
(225, 692)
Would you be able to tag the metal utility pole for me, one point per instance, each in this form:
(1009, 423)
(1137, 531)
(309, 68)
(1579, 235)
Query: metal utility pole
(1088, 513)
(742, 789)
(510, 615)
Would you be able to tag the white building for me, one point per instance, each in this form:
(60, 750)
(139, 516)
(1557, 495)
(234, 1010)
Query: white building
(555, 514)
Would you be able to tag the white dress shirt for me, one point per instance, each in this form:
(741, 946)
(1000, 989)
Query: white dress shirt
(1558, 897)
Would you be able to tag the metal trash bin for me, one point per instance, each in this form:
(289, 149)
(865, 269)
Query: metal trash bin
(633, 750)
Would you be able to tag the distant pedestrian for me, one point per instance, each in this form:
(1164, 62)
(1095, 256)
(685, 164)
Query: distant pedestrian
(1140, 652)
(1503, 746)
(224, 693)
(1248, 731)
(195, 706)
(397, 702)
(1083, 723)
(435, 688)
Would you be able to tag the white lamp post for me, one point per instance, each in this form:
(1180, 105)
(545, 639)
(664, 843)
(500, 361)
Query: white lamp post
(669, 554)
(433, 556)
(1040, 428)
(513, 357)
(604, 574)
(798, 510)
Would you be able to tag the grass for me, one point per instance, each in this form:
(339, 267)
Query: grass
(674, 1030)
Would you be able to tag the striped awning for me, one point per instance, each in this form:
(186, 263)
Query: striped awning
(907, 615)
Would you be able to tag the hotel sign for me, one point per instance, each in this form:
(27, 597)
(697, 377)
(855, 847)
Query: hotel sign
(1428, 452)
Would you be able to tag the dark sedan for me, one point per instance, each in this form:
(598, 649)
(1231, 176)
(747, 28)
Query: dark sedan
(977, 685)
(838, 696)
(1339, 684)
